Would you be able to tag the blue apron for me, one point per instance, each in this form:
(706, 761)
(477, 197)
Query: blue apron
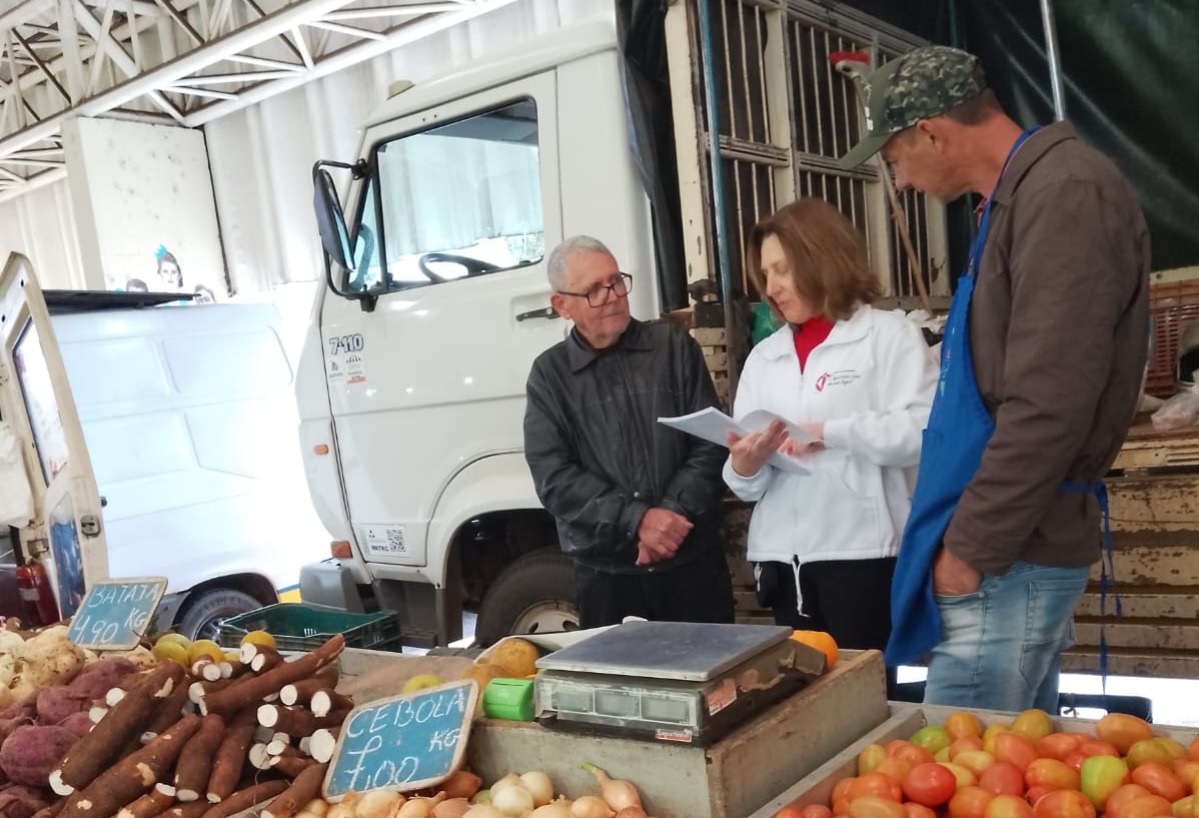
(959, 428)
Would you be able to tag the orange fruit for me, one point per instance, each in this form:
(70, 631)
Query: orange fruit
(820, 640)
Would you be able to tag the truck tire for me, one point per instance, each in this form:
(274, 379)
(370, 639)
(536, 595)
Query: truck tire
(204, 612)
(535, 594)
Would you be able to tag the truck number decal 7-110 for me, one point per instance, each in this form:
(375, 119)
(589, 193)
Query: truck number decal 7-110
(341, 344)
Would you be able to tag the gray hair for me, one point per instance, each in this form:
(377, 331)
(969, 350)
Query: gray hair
(556, 268)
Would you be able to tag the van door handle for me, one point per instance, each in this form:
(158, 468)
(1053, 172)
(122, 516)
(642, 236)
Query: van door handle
(548, 313)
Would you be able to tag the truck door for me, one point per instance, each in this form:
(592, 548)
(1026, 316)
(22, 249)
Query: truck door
(452, 230)
(66, 534)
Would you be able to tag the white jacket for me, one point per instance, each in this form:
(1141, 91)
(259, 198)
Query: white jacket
(871, 382)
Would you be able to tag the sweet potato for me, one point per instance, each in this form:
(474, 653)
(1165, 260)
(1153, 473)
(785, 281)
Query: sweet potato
(55, 703)
(78, 723)
(20, 805)
(99, 677)
(31, 752)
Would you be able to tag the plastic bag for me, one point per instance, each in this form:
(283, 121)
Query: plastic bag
(1178, 412)
(16, 498)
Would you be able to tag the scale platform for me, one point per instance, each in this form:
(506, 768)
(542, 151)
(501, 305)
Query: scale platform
(671, 681)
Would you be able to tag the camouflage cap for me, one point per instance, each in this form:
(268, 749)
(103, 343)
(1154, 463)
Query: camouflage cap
(921, 84)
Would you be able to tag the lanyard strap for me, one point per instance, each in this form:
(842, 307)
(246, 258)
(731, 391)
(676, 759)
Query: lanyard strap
(976, 247)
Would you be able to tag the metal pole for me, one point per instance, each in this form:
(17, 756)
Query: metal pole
(1055, 62)
(723, 264)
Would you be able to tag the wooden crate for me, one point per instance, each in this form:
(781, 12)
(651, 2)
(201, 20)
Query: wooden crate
(904, 720)
(729, 779)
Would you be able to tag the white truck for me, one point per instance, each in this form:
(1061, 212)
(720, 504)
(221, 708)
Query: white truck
(153, 439)
(412, 381)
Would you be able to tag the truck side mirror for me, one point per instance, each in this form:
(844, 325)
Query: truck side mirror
(330, 220)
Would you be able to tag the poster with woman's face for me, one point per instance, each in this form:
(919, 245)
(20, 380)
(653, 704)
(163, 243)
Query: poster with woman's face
(168, 277)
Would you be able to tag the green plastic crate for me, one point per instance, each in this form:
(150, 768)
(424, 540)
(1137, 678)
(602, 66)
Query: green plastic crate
(302, 627)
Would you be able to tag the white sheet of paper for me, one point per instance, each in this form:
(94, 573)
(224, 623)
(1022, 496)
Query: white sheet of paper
(714, 426)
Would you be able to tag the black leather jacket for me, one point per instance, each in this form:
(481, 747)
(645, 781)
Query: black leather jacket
(599, 457)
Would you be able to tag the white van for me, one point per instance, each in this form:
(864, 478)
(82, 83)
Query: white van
(189, 420)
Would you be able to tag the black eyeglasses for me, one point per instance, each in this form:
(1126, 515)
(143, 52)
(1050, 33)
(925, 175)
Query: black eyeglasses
(601, 294)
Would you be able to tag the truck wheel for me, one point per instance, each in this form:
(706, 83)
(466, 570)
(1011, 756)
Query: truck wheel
(207, 609)
(535, 594)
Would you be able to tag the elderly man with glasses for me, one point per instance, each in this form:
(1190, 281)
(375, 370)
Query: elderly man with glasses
(637, 504)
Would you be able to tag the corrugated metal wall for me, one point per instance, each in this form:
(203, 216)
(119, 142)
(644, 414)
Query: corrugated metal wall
(262, 157)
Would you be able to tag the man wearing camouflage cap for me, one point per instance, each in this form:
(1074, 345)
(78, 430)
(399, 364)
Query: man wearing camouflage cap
(1041, 369)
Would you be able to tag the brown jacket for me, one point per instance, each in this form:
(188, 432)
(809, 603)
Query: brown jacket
(1059, 333)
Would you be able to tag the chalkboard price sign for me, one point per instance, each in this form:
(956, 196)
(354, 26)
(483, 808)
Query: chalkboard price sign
(115, 613)
(403, 743)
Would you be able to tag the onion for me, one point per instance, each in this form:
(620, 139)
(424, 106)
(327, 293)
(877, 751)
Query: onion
(483, 811)
(376, 804)
(452, 808)
(512, 800)
(317, 806)
(539, 786)
(591, 806)
(481, 797)
(557, 809)
(510, 780)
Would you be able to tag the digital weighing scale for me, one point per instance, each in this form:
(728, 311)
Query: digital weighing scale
(671, 681)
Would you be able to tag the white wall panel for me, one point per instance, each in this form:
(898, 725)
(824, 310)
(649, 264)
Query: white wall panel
(41, 225)
(262, 157)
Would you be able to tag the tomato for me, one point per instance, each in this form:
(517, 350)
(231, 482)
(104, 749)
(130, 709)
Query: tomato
(1016, 749)
(872, 806)
(959, 725)
(1122, 795)
(931, 737)
(921, 811)
(894, 768)
(909, 752)
(840, 797)
(1122, 731)
(930, 784)
(1148, 806)
(1150, 749)
(965, 744)
(1064, 804)
(817, 811)
(871, 756)
(789, 812)
(1058, 745)
(1075, 759)
(1032, 724)
(1101, 776)
(1002, 778)
(991, 733)
(1051, 773)
(1035, 794)
(969, 802)
(1008, 806)
(1186, 769)
(976, 761)
(875, 783)
(1093, 747)
(1192, 751)
(1158, 779)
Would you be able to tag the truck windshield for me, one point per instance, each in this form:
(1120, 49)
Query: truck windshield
(460, 199)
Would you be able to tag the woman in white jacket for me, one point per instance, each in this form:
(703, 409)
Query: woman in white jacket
(860, 383)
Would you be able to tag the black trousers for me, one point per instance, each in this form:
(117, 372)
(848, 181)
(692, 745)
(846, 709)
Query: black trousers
(849, 599)
(697, 591)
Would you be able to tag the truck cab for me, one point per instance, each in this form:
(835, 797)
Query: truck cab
(411, 383)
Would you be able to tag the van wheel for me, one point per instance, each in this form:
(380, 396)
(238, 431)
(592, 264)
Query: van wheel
(206, 611)
(535, 594)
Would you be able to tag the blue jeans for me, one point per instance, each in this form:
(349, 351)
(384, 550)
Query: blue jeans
(1001, 646)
